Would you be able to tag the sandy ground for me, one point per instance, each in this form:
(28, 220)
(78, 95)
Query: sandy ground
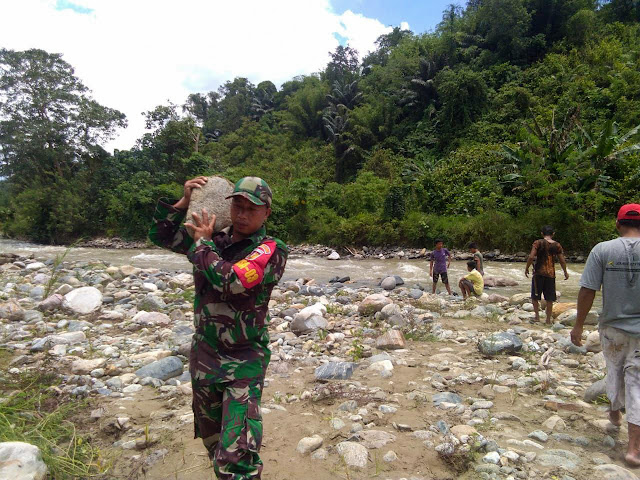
(186, 457)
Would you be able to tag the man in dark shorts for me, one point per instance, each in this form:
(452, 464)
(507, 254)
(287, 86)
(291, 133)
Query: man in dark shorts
(440, 261)
(544, 252)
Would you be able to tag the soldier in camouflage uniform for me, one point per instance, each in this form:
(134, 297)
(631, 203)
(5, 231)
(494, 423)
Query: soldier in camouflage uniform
(235, 271)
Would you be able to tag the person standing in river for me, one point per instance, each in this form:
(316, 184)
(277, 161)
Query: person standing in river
(477, 257)
(615, 266)
(440, 261)
(544, 253)
(234, 272)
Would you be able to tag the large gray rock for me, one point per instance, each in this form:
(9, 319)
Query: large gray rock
(162, 369)
(67, 338)
(309, 444)
(447, 397)
(373, 303)
(335, 371)
(503, 342)
(301, 325)
(21, 461)
(353, 454)
(397, 321)
(415, 293)
(595, 390)
(559, 458)
(388, 283)
(390, 310)
(83, 300)
(610, 471)
(151, 318)
(36, 293)
(211, 197)
(12, 311)
(151, 303)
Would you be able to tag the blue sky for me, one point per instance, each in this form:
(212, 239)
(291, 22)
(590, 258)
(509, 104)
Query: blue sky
(422, 15)
(67, 5)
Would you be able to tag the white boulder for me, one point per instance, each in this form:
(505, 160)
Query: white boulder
(21, 461)
(83, 300)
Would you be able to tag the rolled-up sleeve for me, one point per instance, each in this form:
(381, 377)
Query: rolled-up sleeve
(167, 230)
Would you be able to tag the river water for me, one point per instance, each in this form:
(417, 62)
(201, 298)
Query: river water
(363, 272)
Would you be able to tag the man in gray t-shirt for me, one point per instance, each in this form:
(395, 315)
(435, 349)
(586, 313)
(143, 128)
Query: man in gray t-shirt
(615, 266)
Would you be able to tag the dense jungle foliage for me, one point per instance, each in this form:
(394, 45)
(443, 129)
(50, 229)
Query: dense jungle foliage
(511, 114)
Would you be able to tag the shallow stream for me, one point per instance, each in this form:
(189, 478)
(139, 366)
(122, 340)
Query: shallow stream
(363, 272)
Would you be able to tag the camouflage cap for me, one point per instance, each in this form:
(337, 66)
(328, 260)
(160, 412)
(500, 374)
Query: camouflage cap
(254, 189)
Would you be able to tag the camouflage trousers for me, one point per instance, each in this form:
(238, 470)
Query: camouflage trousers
(227, 388)
(227, 418)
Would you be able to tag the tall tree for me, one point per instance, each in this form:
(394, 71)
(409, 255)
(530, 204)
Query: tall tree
(504, 24)
(385, 43)
(344, 65)
(49, 124)
(235, 106)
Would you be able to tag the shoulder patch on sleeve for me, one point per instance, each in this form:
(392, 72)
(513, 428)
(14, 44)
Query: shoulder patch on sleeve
(250, 270)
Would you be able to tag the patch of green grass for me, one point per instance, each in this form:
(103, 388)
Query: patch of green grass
(5, 358)
(31, 413)
(56, 272)
(333, 309)
(420, 335)
(357, 349)
(188, 295)
(461, 461)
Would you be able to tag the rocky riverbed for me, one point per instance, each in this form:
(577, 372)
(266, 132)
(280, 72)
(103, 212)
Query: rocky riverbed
(364, 382)
(359, 253)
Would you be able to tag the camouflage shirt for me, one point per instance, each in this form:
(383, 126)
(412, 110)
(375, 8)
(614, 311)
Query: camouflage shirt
(233, 284)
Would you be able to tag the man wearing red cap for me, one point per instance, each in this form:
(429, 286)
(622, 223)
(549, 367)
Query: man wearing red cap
(615, 266)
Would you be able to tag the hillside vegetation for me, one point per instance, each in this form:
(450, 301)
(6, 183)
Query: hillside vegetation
(509, 115)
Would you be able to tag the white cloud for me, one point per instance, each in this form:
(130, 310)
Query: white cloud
(135, 55)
